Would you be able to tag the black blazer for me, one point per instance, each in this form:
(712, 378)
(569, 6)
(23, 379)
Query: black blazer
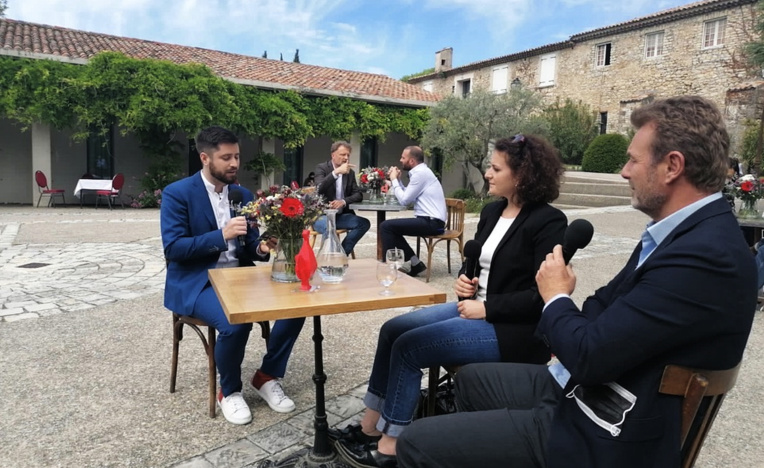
(690, 303)
(327, 188)
(513, 304)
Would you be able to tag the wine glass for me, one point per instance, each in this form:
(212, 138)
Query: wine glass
(387, 273)
(395, 256)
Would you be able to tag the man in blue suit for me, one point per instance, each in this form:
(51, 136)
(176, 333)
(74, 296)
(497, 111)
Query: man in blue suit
(686, 296)
(199, 233)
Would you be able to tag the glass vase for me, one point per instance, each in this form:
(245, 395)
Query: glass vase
(283, 261)
(332, 260)
(375, 194)
(748, 209)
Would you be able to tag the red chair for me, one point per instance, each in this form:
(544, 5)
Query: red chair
(112, 196)
(42, 187)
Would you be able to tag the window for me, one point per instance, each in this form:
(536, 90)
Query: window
(603, 55)
(427, 86)
(713, 32)
(654, 44)
(293, 158)
(603, 123)
(100, 151)
(463, 87)
(369, 152)
(499, 79)
(546, 69)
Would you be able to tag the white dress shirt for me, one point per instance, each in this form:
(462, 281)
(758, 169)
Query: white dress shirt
(221, 207)
(424, 190)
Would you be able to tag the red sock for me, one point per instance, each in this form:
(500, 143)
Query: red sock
(260, 378)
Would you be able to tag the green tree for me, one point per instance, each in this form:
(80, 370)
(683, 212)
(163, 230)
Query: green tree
(755, 52)
(463, 128)
(572, 126)
(3, 7)
(296, 58)
(265, 54)
(421, 73)
(606, 154)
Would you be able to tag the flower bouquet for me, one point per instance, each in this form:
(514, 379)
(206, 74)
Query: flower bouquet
(373, 178)
(749, 190)
(284, 212)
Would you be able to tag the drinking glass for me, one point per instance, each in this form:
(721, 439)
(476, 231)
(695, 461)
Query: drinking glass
(395, 256)
(387, 273)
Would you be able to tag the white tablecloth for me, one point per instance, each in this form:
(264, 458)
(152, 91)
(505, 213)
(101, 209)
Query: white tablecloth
(91, 184)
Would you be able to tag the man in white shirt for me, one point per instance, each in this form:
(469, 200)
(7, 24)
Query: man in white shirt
(426, 193)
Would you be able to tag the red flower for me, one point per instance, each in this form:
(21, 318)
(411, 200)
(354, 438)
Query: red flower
(274, 189)
(364, 179)
(381, 174)
(292, 207)
(260, 193)
(746, 186)
(295, 185)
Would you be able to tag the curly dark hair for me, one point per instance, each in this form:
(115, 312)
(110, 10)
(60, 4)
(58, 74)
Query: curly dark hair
(536, 165)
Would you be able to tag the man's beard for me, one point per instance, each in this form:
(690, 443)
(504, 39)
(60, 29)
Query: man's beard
(223, 176)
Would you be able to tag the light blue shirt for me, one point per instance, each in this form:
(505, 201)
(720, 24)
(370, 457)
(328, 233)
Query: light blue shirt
(658, 232)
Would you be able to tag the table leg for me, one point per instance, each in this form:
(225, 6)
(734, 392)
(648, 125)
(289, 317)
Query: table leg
(321, 455)
(380, 251)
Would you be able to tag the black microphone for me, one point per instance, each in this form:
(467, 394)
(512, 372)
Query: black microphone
(577, 236)
(235, 198)
(472, 249)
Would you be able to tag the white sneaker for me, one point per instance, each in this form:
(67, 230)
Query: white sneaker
(273, 394)
(234, 408)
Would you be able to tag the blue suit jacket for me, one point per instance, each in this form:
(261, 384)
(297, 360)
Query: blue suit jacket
(690, 303)
(193, 243)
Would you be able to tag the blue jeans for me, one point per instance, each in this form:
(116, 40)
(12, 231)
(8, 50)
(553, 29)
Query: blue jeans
(357, 226)
(408, 343)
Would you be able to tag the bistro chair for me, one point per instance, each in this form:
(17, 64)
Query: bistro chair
(208, 343)
(42, 187)
(702, 393)
(454, 231)
(434, 382)
(112, 195)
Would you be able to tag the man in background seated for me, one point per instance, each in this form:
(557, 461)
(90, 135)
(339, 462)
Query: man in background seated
(426, 193)
(686, 297)
(335, 181)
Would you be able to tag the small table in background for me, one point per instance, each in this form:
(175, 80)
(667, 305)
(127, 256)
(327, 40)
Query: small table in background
(90, 185)
(381, 208)
(248, 295)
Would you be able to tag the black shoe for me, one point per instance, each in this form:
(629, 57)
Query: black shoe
(416, 269)
(351, 433)
(365, 456)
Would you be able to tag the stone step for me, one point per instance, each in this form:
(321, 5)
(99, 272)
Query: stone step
(591, 200)
(621, 189)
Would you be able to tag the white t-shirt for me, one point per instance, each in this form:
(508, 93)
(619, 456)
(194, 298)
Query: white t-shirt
(486, 253)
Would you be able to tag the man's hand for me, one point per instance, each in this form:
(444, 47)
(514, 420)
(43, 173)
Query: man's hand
(394, 173)
(464, 287)
(336, 204)
(471, 309)
(268, 245)
(236, 227)
(344, 168)
(554, 277)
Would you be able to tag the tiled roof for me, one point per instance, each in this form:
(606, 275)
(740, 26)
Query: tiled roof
(41, 41)
(661, 17)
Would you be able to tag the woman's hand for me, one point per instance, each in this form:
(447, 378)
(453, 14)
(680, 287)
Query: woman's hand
(471, 309)
(464, 287)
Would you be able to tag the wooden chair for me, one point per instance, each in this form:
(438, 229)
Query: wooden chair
(702, 393)
(454, 231)
(434, 380)
(209, 347)
(314, 234)
(42, 187)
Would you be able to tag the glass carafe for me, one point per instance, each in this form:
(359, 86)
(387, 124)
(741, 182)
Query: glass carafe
(332, 260)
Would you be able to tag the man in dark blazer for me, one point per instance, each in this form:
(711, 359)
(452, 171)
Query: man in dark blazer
(199, 233)
(686, 296)
(335, 181)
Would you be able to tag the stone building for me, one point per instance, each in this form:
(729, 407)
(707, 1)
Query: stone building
(692, 49)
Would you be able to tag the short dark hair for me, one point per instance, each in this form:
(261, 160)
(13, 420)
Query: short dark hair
(536, 165)
(338, 144)
(208, 140)
(693, 126)
(415, 153)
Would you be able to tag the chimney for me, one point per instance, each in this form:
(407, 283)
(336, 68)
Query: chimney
(443, 59)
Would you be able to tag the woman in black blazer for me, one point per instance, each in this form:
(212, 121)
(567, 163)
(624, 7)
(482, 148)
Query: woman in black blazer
(497, 312)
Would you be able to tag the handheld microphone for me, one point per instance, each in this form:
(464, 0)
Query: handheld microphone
(577, 236)
(235, 198)
(472, 249)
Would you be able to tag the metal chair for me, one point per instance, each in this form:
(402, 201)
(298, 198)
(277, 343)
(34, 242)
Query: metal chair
(702, 393)
(454, 231)
(209, 347)
(112, 195)
(42, 187)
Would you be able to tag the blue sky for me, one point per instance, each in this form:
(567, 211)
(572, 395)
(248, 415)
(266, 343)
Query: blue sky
(391, 37)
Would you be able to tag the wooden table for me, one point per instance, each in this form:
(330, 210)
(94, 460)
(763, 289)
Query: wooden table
(381, 209)
(248, 295)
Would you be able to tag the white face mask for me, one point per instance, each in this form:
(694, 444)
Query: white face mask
(605, 404)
